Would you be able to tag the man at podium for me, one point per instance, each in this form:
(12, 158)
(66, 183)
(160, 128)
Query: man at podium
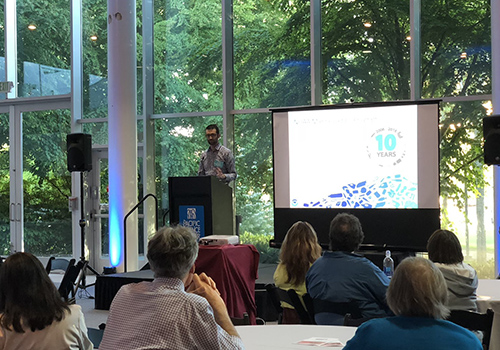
(217, 160)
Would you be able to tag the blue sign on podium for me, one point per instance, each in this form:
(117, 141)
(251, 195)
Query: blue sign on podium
(193, 216)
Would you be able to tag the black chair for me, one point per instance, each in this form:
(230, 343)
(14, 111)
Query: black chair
(475, 321)
(55, 264)
(278, 295)
(349, 321)
(304, 313)
(68, 285)
(335, 312)
(272, 293)
(245, 321)
(95, 336)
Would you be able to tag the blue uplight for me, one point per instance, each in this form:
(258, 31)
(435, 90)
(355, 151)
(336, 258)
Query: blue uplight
(115, 214)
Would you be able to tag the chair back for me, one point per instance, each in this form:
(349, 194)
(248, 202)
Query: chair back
(304, 312)
(67, 285)
(475, 321)
(350, 321)
(333, 313)
(272, 294)
(95, 336)
(245, 321)
(57, 264)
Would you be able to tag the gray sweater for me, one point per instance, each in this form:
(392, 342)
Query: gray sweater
(461, 280)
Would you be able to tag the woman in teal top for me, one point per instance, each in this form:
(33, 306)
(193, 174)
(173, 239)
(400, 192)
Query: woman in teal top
(417, 295)
(299, 250)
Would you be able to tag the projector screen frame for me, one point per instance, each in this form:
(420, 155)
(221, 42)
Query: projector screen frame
(394, 229)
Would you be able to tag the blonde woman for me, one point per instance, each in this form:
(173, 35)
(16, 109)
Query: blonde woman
(299, 250)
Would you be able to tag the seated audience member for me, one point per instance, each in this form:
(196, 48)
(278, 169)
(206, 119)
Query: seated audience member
(32, 314)
(178, 310)
(446, 253)
(342, 276)
(299, 250)
(417, 296)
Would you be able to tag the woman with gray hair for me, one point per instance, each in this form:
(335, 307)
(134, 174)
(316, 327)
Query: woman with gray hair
(417, 295)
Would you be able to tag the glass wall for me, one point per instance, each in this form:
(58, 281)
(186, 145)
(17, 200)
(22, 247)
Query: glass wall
(95, 59)
(365, 56)
(254, 184)
(365, 51)
(466, 183)
(4, 185)
(43, 42)
(456, 48)
(47, 183)
(179, 144)
(272, 65)
(2, 45)
(188, 56)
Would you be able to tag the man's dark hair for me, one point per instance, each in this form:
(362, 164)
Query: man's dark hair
(444, 247)
(346, 233)
(28, 298)
(213, 126)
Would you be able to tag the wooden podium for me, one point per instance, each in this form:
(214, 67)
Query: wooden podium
(203, 203)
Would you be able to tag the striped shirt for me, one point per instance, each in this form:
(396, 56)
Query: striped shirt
(161, 315)
(222, 158)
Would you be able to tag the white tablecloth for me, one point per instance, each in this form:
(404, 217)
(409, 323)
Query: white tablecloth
(281, 336)
(488, 292)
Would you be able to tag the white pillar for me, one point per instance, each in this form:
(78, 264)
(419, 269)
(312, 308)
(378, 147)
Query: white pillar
(495, 86)
(122, 131)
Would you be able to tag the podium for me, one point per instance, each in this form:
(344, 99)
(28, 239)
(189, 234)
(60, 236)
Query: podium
(203, 203)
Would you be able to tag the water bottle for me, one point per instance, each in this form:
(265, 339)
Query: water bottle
(388, 264)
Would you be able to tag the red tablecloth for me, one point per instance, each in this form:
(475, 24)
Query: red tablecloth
(234, 270)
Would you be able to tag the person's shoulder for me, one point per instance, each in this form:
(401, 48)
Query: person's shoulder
(75, 309)
(318, 263)
(195, 301)
(225, 150)
(378, 322)
(73, 315)
(466, 336)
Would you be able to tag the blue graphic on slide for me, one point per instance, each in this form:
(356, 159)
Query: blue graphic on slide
(388, 192)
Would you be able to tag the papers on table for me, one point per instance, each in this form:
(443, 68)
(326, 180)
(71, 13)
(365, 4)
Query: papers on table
(322, 342)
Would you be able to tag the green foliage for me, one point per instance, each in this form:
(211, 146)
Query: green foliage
(268, 255)
(254, 185)
(46, 48)
(179, 144)
(46, 183)
(485, 269)
(271, 68)
(188, 75)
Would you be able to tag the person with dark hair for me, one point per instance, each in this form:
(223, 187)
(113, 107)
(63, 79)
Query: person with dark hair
(32, 313)
(341, 276)
(417, 296)
(299, 250)
(446, 252)
(217, 160)
(178, 310)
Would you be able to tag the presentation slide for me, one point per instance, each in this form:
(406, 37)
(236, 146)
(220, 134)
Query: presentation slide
(367, 157)
(354, 160)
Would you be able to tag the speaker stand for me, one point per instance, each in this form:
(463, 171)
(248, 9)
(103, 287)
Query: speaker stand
(81, 283)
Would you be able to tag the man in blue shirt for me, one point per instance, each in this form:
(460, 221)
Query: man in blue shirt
(341, 276)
